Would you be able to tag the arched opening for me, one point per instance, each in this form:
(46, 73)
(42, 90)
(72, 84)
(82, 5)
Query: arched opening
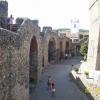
(67, 47)
(78, 50)
(51, 50)
(33, 60)
(43, 61)
(61, 52)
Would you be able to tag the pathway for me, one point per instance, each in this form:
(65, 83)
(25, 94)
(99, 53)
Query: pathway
(66, 89)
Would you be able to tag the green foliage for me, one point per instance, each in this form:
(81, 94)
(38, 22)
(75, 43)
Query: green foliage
(84, 49)
(86, 91)
(76, 70)
(86, 73)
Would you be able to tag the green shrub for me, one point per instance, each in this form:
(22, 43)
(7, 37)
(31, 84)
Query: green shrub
(86, 73)
(84, 49)
(86, 91)
(76, 70)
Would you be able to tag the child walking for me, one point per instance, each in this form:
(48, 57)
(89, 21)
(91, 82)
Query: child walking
(49, 83)
(53, 89)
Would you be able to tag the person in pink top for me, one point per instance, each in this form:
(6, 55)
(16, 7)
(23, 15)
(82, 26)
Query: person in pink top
(53, 89)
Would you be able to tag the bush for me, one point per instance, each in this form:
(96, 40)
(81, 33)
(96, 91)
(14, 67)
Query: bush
(86, 91)
(76, 70)
(84, 49)
(85, 57)
(87, 74)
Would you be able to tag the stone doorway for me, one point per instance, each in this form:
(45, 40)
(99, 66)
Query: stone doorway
(51, 51)
(33, 60)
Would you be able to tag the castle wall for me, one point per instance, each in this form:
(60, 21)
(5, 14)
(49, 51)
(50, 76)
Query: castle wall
(14, 61)
(12, 83)
(64, 40)
(46, 40)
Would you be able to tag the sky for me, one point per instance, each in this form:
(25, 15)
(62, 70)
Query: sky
(55, 13)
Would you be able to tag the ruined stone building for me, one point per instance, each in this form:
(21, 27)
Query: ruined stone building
(25, 53)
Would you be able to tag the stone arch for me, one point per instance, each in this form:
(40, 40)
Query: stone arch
(33, 60)
(51, 50)
(17, 54)
(30, 38)
(78, 50)
(61, 50)
(47, 41)
(64, 46)
(67, 47)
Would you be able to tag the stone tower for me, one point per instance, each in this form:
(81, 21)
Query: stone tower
(75, 26)
(3, 11)
(4, 8)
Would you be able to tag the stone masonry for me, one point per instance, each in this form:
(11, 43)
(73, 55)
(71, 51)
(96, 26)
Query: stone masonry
(15, 51)
(14, 59)
(3, 12)
(15, 56)
(94, 35)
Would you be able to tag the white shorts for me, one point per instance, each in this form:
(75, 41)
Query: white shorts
(53, 90)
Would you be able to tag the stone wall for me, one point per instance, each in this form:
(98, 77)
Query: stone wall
(3, 12)
(14, 58)
(14, 61)
(46, 40)
(9, 63)
(94, 35)
(64, 40)
(45, 43)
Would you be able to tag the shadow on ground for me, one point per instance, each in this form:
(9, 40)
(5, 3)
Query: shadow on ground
(81, 86)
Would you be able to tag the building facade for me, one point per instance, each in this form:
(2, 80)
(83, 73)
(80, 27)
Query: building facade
(76, 38)
(94, 35)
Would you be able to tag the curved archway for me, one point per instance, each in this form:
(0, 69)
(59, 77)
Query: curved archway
(78, 50)
(33, 62)
(61, 51)
(67, 47)
(51, 50)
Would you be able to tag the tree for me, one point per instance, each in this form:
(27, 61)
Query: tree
(84, 49)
